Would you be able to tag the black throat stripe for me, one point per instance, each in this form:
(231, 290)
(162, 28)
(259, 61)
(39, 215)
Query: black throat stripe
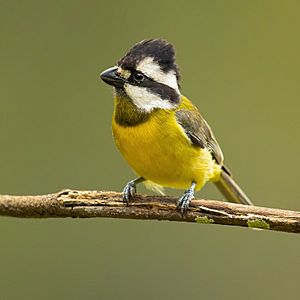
(126, 113)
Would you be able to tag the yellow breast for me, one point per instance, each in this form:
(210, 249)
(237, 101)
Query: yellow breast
(159, 151)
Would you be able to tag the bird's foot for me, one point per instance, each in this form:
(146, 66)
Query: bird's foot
(184, 201)
(129, 191)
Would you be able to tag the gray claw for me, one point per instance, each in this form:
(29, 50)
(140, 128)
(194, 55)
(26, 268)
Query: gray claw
(184, 200)
(129, 191)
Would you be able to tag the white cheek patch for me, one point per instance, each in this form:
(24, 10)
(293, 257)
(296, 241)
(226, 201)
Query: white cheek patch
(145, 100)
(152, 69)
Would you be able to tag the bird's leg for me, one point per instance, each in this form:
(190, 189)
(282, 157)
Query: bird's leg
(130, 189)
(185, 199)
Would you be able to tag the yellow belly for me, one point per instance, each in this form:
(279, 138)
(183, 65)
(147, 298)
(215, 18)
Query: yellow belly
(159, 151)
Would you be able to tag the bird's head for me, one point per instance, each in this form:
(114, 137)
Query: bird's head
(147, 75)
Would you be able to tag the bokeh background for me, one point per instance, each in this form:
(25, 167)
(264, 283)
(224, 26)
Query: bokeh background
(240, 64)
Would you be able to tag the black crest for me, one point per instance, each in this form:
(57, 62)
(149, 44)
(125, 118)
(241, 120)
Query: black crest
(160, 50)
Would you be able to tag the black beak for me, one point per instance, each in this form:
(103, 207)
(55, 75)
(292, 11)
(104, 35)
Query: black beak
(111, 77)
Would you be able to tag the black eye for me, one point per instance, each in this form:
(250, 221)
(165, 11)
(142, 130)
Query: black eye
(138, 77)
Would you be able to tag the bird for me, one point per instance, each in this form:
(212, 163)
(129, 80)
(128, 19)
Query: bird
(159, 131)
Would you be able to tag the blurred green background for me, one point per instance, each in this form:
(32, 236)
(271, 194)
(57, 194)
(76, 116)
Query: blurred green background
(240, 64)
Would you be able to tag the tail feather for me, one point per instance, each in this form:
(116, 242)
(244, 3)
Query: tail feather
(230, 189)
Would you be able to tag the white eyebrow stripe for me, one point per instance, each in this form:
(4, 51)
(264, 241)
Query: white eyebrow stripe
(145, 100)
(153, 70)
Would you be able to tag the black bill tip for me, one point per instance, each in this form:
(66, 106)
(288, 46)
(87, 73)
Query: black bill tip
(111, 77)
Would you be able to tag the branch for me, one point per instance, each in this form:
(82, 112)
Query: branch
(88, 204)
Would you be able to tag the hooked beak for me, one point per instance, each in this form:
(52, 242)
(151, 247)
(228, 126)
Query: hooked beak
(111, 77)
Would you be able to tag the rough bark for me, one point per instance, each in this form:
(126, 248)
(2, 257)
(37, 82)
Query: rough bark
(88, 204)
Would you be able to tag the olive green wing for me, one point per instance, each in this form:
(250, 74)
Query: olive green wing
(199, 132)
(200, 135)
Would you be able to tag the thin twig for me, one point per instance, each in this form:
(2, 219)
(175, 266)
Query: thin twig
(88, 204)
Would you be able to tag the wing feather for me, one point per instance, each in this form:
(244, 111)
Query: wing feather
(199, 132)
